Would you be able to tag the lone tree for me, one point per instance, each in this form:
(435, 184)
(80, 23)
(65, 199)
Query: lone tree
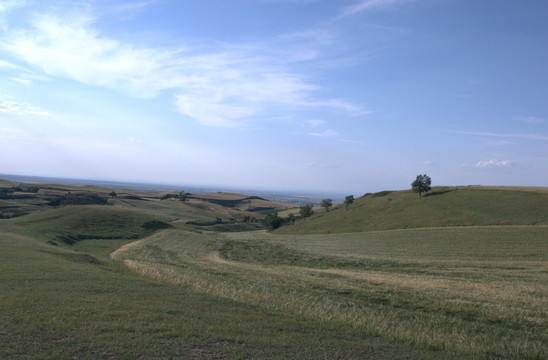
(183, 196)
(306, 211)
(348, 201)
(421, 184)
(327, 203)
(272, 221)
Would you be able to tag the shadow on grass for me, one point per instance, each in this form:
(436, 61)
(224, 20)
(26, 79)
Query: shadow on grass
(441, 192)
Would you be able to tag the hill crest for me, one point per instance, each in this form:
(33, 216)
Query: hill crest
(442, 207)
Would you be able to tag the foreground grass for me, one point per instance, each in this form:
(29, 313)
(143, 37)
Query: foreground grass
(56, 303)
(476, 292)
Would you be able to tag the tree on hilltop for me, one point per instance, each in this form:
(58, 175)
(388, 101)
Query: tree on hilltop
(327, 203)
(348, 201)
(306, 211)
(421, 184)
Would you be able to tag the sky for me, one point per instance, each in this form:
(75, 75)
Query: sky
(340, 96)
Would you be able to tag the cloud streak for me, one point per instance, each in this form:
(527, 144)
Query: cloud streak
(532, 120)
(327, 133)
(493, 163)
(10, 106)
(517, 136)
(366, 5)
(226, 88)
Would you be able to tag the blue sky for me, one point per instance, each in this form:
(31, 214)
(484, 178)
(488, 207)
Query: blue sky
(342, 96)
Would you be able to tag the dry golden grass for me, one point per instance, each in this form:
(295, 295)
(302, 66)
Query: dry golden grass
(427, 298)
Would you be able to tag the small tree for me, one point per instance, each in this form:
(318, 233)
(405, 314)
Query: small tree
(326, 203)
(272, 221)
(348, 201)
(421, 184)
(291, 218)
(306, 211)
(113, 194)
(183, 196)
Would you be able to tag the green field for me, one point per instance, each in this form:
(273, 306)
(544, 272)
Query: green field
(135, 279)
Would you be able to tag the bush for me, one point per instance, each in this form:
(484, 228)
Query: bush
(272, 221)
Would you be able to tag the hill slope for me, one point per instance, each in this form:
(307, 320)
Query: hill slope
(444, 206)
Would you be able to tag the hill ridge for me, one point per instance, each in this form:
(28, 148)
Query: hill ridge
(442, 207)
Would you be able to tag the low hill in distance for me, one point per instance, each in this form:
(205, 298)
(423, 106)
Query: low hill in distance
(442, 207)
(215, 211)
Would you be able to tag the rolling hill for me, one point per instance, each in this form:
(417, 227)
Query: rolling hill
(442, 207)
(88, 274)
(217, 211)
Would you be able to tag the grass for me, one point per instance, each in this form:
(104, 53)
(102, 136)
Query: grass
(470, 291)
(72, 224)
(56, 303)
(118, 282)
(457, 206)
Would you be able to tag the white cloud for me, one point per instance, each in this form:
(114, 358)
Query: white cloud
(6, 6)
(291, 1)
(26, 82)
(365, 5)
(315, 122)
(9, 106)
(500, 142)
(10, 66)
(326, 133)
(494, 163)
(226, 87)
(321, 165)
(496, 135)
(214, 114)
(532, 120)
(352, 109)
(71, 49)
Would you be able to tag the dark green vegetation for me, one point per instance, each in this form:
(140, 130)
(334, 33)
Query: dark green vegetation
(137, 278)
(443, 206)
(421, 184)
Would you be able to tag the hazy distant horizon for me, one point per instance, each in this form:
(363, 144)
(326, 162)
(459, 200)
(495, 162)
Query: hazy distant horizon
(314, 197)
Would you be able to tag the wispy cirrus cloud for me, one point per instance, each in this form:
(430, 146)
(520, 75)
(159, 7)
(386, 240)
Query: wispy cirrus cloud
(291, 1)
(314, 122)
(11, 66)
(326, 133)
(493, 163)
(5, 7)
(497, 135)
(227, 87)
(365, 5)
(9, 106)
(532, 120)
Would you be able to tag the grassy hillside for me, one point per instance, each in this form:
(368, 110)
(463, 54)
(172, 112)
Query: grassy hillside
(455, 206)
(58, 303)
(460, 291)
(136, 277)
(216, 211)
